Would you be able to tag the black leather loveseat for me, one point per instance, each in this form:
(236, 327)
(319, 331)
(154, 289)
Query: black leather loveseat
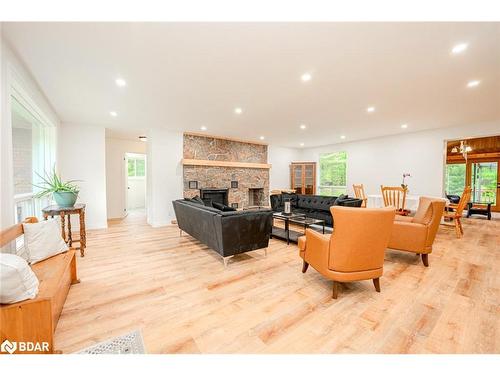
(228, 233)
(315, 206)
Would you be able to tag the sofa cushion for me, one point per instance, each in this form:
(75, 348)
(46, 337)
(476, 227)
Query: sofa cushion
(276, 202)
(315, 202)
(222, 207)
(197, 199)
(43, 240)
(339, 199)
(17, 281)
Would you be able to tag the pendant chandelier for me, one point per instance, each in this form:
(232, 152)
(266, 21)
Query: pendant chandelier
(464, 149)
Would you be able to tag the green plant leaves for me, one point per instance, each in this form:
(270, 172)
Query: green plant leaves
(52, 182)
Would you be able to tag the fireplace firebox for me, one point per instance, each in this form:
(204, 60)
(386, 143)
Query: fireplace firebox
(214, 195)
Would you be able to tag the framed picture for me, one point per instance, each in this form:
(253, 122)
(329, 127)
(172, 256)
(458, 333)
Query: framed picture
(234, 184)
(193, 184)
(234, 205)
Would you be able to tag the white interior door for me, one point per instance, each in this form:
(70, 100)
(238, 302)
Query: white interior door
(136, 181)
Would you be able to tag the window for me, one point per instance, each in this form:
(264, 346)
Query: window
(33, 148)
(136, 167)
(455, 179)
(332, 173)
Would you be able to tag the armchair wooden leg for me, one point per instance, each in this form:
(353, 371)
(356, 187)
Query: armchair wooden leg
(460, 227)
(376, 283)
(425, 259)
(335, 291)
(457, 228)
(305, 265)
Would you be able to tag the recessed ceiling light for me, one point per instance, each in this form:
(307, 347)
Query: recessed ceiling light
(306, 77)
(113, 114)
(473, 83)
(120, 82)
(404, 126)
(303, 126)
(203, 128)
(261, 137)
(301, 145)
(238, 111)
(459, 48)
(370, 109)
(342, 137)
(143, 138)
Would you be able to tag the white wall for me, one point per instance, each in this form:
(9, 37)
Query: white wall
(280, 159)
(12, 69)
(382, 161)
(164, 175)
(82, 156)
(115, 173)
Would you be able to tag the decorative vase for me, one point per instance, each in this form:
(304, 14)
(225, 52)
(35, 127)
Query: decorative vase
(287, 207)
(65, 198)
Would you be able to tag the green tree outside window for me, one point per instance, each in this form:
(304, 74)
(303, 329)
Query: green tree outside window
(333, 173)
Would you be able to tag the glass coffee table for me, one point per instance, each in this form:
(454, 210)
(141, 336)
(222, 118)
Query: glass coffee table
(288, 234)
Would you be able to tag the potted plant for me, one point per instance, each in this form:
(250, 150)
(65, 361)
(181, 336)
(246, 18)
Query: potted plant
(64, 193)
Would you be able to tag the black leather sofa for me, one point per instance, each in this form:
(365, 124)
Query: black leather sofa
(228, 233)
(315, 206)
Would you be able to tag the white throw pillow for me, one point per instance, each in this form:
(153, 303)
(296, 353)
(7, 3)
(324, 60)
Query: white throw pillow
(43, 240)
(17, 281)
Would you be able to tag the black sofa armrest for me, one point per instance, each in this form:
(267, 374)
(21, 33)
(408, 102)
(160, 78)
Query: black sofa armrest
(245, 231)
(350, 202)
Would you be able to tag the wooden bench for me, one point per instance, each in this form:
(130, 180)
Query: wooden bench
(35, 320)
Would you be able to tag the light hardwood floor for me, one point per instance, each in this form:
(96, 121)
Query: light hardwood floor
(179, 294)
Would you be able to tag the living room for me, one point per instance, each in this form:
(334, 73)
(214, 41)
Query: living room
(250, 187)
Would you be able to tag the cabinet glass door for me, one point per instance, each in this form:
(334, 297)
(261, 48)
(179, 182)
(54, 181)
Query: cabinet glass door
(297, 178)
(309, 179)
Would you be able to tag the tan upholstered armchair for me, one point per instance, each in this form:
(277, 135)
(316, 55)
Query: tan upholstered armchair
(416, 234)
(355, 250)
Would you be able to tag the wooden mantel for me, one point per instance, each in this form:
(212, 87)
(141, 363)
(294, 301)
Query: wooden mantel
(221, 163)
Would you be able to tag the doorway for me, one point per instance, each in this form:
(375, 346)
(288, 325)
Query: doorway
(135, 184)
(478, 167)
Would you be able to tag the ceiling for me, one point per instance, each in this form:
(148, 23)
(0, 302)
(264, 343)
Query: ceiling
(182, 76)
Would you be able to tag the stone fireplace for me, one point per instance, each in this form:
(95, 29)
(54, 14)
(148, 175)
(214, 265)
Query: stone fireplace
(238, 167)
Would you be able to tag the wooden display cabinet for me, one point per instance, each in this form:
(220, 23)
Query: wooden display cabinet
(303, 177)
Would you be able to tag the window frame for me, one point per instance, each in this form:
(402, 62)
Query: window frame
(336, 189)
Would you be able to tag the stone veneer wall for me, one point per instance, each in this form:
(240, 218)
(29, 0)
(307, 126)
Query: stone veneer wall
(212, 148)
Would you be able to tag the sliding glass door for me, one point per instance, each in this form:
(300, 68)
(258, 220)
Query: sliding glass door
(481, 176)
(484, 182)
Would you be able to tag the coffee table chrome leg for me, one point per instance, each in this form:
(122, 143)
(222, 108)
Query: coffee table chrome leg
(226, 260)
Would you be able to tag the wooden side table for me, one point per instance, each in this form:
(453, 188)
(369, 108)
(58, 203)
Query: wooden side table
(66, 212)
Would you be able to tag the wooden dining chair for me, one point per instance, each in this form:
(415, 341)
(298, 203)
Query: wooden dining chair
(454, 211)
(395, 196)
(359, 192)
